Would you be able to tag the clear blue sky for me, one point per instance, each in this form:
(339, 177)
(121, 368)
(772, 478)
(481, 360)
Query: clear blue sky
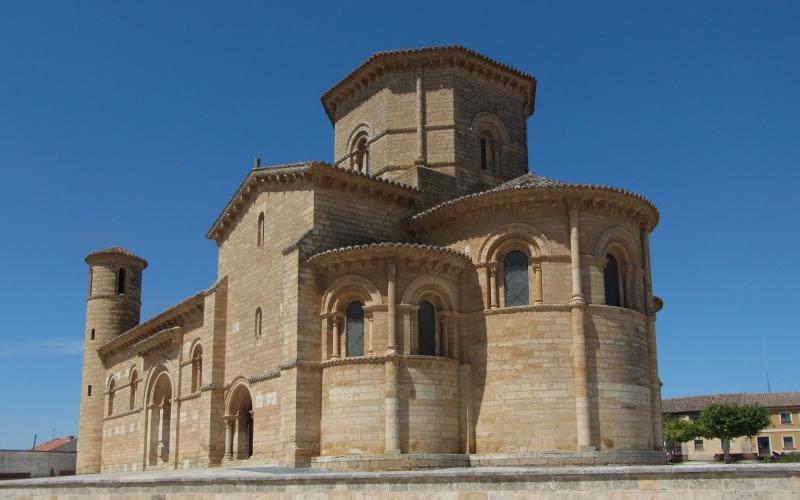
(131, 123)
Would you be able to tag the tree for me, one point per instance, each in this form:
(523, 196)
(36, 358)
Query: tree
(677, 431)
(730, 421)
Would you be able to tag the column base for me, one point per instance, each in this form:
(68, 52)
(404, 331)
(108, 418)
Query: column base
(588, 447)
(395, 451)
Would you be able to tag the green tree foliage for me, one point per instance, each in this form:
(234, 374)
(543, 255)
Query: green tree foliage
(678, 430)
(730, 421)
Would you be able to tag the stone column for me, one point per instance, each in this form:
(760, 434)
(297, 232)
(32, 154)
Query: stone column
(391, 310)
(228, 437)
(445, 337)
(370, 333)
(579, 367)
(493, 286)
(437, 337)
(392, 373)
(538, 289)
(420, 160)
(655, 383)
(335, 337)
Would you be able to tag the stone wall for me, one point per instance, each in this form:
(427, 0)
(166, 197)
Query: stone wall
(622, 483)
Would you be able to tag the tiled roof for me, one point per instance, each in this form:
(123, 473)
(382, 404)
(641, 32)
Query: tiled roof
(118, 250)
(420, 51)
(697, 403)
(295, 169)
(54, 443)
(387, 246)
(530, 181)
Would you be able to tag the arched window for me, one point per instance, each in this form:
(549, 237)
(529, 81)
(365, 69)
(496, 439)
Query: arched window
(426, 324)
(355, 329)
(260, 235)
(111, 388)
(359, 155)
(197, 368)
(612, 281)
(121, 281)
(488, 152)
(134, 382)
(515, 275)
(258, 323)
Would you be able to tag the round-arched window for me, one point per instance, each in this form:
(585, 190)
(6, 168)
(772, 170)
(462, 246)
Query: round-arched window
(426, 324)
(611, 281)
(515, 276)
(355, 329)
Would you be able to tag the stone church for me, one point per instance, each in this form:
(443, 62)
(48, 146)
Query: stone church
(423, 300)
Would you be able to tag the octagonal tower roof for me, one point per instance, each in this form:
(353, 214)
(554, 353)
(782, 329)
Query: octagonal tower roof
(401, 60)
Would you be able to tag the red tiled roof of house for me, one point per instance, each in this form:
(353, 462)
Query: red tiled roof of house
(54, 443)
(697, 403)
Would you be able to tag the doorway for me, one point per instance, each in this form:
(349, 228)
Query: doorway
(764, 448)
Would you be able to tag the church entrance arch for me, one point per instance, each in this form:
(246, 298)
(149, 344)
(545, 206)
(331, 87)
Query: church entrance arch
(159, 417)
(240, 425)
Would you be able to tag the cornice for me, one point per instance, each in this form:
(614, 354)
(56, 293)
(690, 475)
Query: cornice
(367, 360)
(172, 317)
(320, 174)
(125, 413)
(437, 258)
(552, 197)
(528, 308)
(115, 254)
(457, 57)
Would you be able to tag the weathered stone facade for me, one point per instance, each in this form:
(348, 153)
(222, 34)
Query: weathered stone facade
(422, 300)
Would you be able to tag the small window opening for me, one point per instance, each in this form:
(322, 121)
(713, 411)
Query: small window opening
(134, 381)
(359, 155)
(121, 281)
(258, 323)
(92, 334)
(260, 236)
(89, 390)
(111, 388)
(612, 282)
(197, 368)
(483, 154)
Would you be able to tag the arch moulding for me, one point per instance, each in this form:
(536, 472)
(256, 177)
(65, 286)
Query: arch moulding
(621, 236)
(515, 230)
(346, 285)
(490, 121)
(237, 385)
(427, 283)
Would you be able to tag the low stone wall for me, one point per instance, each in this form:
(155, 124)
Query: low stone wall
(413, 461)
(762, 481)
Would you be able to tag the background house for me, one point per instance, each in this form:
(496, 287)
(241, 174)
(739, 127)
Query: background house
(781, 436)
(53, 458)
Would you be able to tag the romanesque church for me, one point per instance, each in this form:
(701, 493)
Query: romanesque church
(423, 300)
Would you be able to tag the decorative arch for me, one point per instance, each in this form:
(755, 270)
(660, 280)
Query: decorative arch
(624, 240)
(538, 244)
(619, 249)
(239, 420)
(133, 383)
(358, 148)
(111, 387)
(158, 398)
(362, 128)
(486, 120)
(196, 356)
(429, 286)
(346, 288)
(239, 388)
